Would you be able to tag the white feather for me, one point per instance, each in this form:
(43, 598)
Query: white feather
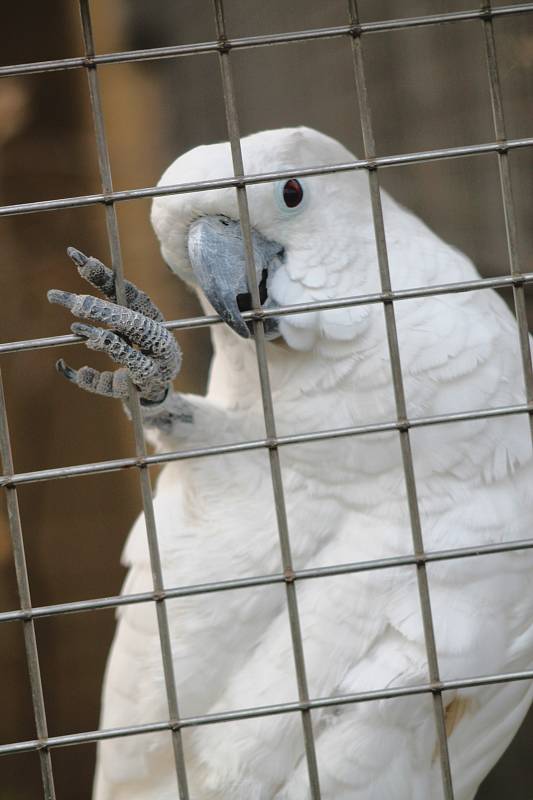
(346, 501)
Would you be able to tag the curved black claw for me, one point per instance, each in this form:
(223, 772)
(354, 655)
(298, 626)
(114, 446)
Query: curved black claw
(64, 369)
(102, 278)
(80, 329)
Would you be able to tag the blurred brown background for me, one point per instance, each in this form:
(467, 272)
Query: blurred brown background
(428, 88)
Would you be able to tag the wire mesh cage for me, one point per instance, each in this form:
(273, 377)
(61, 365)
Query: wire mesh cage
(354, 32)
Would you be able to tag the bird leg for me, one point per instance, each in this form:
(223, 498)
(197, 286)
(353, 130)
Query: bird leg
(136, 338)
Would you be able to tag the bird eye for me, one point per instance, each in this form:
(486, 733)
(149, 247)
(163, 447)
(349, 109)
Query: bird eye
(293, 193)
(292, 196)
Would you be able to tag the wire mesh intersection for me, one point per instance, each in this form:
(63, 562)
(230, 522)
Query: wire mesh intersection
(517, 281)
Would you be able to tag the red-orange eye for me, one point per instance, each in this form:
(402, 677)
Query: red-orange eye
(293, 193)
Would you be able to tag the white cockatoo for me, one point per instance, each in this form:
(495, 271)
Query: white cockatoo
(313, 240)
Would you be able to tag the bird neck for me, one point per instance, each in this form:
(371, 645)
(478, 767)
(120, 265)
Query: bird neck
(303, 384)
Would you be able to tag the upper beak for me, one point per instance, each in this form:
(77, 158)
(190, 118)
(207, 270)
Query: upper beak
(216, 253)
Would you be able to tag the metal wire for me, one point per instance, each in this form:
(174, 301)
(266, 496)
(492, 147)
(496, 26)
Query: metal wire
(113, 465)
(270, 710)
(299, 308)
(265, 580)
(401, 408)
(134, 407)
(266, 177)
(419, 558)
(23, 588)
(508, 202)
(245, 42)
(266, 396)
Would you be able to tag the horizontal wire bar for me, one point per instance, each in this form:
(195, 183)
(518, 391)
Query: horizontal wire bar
(113, 465)
(501, 282)
(388, 693)
(266, 177)
(248, 42)
(351, 568)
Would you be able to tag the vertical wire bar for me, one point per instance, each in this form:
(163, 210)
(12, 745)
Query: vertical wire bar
(399, 397)
(519, 294)
(266, 396)
(134, 407)
(23, 586)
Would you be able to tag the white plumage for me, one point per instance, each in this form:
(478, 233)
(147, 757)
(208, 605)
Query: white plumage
(346, 502)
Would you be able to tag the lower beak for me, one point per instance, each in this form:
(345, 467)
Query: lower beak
(217, 256)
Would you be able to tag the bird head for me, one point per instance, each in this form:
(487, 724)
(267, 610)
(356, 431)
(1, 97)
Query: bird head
(310, 236)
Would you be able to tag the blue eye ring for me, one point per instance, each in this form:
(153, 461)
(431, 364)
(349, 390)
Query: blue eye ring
(291, 195)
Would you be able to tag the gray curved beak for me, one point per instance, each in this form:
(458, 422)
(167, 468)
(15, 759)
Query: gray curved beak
(216, 253)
